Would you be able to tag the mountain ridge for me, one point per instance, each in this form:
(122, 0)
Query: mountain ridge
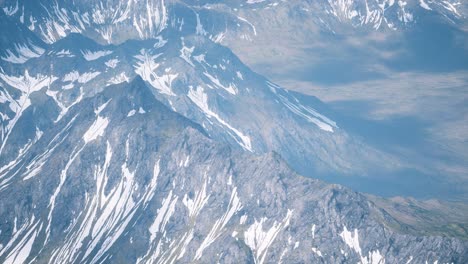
(212, 86)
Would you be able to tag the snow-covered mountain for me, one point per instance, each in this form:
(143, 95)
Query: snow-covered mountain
(374, 14)
(121, 178)
(114, 21)
(126, 125)
(200, 80)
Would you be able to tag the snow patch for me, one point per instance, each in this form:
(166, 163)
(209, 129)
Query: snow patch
(216, 231)
(317, 252)
(248, 22)
(239, 75)
(100, 108)
(199, 28)
(218, 38)
(200, 98)
(131, 113)
(424, 5)
(22, 53)
(160, 42)
(11, 10)
(146, 67)
(75, 76)
(200, 58)
(94, 55)
(21, 251)
(96, 130)
(232, 89)
(122, 77)
(186, 53)
(26, 84)
(64, 53)
(243, 219)
(352, 240)
(112, 63)
(308, 113)
(163, 215)
(195, 205)
(259, 240)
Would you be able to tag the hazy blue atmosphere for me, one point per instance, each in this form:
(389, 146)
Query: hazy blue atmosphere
(402, 91)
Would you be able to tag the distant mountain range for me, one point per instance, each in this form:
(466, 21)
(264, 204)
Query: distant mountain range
(114, 21)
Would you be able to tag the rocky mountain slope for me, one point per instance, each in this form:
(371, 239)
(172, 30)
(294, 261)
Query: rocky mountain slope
(122, 171)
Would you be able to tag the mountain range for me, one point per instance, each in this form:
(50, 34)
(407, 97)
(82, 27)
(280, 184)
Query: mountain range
(131, 132)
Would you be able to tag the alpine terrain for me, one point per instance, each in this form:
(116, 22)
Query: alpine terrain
(132, 133)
